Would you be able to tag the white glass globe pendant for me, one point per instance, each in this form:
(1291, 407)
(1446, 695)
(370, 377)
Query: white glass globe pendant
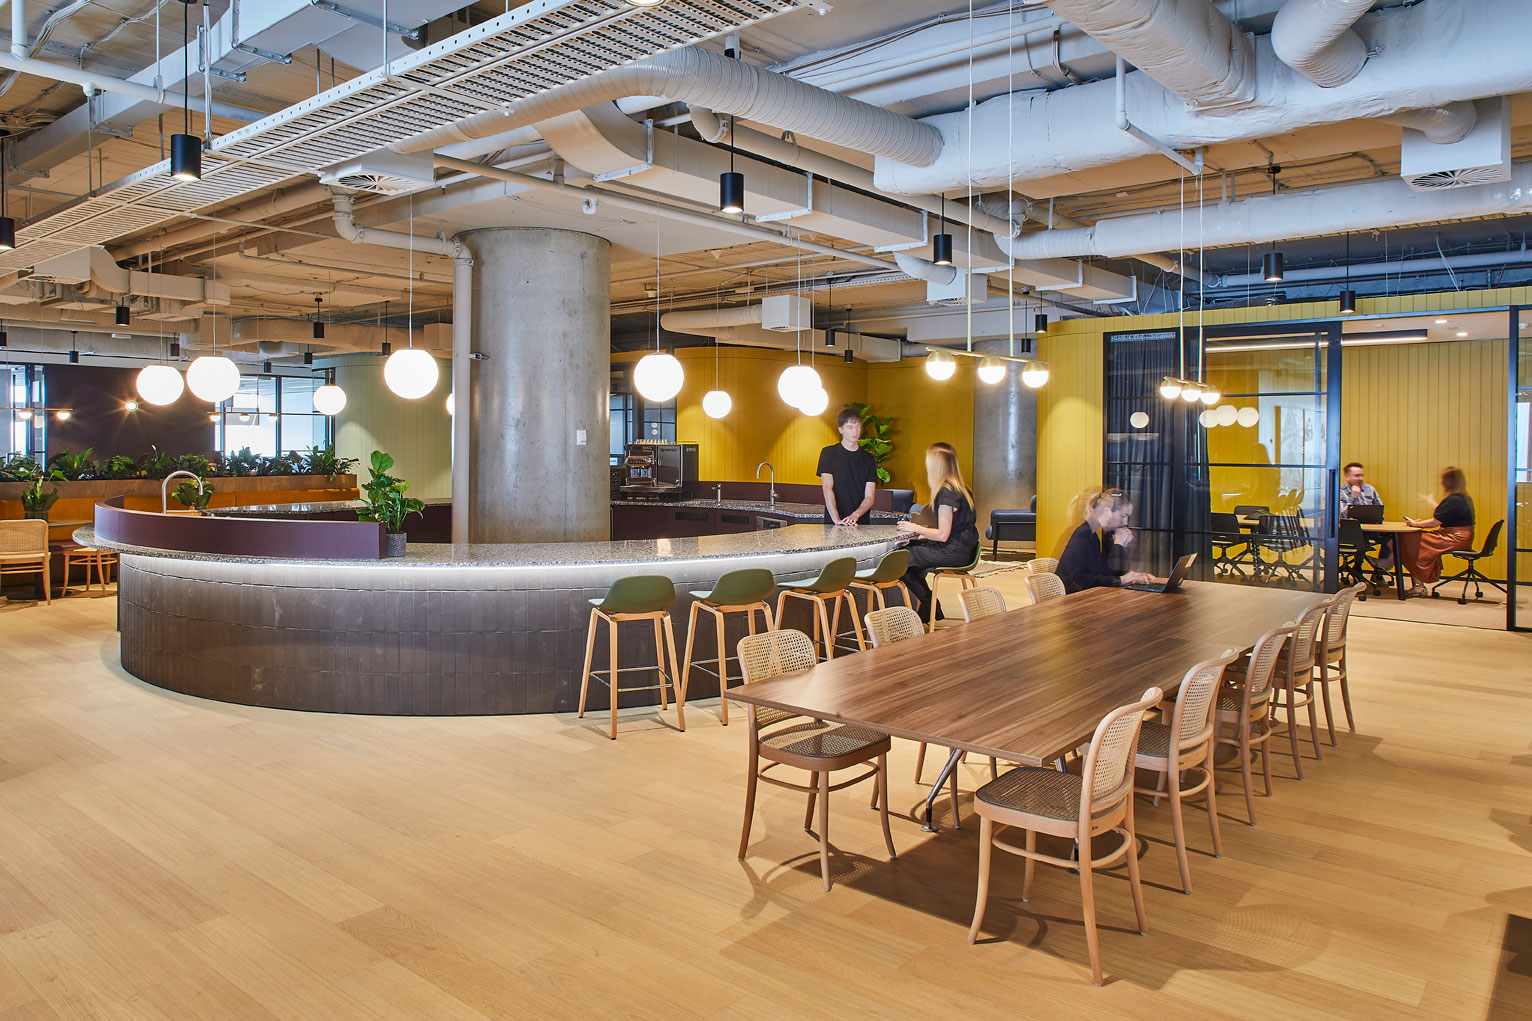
(1208, 419)
(160, 384)
(1034, 373)
(411, 373)
(1170, 388)
(658, 376)
(797, 383)
(815, 403)
(1190, 392)
(1138, 419)
(451, 403)
(329, 399)
(991, 369)
(213, 378)
(1210, 395)
(716, 403)
(940, 365)
(1248, 416)
(1227, 414)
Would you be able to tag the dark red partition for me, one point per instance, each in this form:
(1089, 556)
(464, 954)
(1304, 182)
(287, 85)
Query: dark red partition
(281, 538)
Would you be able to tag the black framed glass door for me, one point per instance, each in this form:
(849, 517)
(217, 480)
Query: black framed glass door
(1518, 603)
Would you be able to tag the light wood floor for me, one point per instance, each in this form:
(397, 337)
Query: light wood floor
(162, 857)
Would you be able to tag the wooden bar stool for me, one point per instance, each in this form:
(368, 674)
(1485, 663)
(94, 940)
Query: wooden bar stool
(87, 556)
(24, 550)
(936, 574)
(832, 586)
(744, 591)
(639, 597)
(888, 574)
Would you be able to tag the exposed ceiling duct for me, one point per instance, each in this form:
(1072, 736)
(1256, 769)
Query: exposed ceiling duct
(1314, 38)
(1187, 46)
(1441, 125)
(694, 75)
(1373, 205)
(94, 265)
(1473, 51)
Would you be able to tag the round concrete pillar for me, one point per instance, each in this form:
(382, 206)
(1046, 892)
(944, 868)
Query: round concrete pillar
(1004, 439)
(539, 386)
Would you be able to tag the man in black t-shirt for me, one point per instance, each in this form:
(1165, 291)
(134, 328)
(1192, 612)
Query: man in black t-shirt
(848, 473)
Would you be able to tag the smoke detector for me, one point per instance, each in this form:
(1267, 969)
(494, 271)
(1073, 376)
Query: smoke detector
(382, 173)
(1483, 156)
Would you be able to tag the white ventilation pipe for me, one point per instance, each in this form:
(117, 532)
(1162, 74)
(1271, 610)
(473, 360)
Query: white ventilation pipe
(924, 269)
(707, 319)
(1472, 51)
(1188, 46)
(1441, 124)
(717, 82)
(1370, 206)
(1314, 38)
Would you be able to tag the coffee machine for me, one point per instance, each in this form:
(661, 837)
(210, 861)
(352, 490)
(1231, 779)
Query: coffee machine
(660, 469)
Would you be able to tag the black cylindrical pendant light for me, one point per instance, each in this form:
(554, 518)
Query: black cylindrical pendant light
(1271, 267)
(123, 317)
(848, 356)
(308, 358)
(385, 349)
(74, 358)
(941, 242)
(266, 368)
(1348, 302)
(175, 349)
(318, 323)
(185, 148)
(731, 192)
(7, 233)
(1040, 322)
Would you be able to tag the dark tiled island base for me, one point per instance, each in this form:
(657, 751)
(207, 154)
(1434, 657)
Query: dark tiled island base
(447, 631)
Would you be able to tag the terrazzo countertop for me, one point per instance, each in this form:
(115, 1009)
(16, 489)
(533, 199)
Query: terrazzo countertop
(766, 542)
(298, 510)
(800, 511)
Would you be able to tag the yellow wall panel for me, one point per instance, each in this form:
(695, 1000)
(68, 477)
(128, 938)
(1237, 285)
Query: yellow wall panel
(925, 411)
(1069, 427)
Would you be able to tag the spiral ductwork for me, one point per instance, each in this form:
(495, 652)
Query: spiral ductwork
(1314, 38)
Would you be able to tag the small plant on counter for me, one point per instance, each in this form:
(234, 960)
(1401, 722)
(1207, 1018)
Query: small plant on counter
(36, 501)
(876, 433)
(386, 502)
(186, 495)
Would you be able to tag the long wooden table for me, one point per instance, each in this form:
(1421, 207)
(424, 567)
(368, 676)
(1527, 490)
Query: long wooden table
(1033, 683)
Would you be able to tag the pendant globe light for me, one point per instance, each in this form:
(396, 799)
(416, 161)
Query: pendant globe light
(796, 384)
(1170, 388)
(991, 369)
(1190, 392)
(815, 403)
(1209, 395)
(940, 365)
(160, 384)
(410, 372)
(658, 376)
(212, 378)
(716, 402)
(451, 403)
(1035, 373)
(329, 399)
(186, 148)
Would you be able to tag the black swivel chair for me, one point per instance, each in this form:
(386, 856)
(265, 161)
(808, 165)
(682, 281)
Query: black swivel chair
(1473, 574)
(1230, 546)
(1356, 561)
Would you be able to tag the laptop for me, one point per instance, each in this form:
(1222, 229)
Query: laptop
(1366, 513)
(1173, 583)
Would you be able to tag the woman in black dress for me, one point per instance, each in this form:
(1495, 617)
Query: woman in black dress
(1099, 545)
(954, 540)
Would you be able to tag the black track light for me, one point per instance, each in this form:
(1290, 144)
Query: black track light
(941, 249)
(122, 317)
(1271, 267)
(731, 192)
(1040, 322)
(1348, 302)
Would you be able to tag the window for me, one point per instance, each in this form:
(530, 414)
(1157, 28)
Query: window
(272, 415)
(19, 434)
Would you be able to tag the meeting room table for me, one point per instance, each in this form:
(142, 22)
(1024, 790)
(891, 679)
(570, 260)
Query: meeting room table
(1031, 684)
(1391, 530)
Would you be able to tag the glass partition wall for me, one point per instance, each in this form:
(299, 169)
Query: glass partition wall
(1247, 481)
(1519, 489)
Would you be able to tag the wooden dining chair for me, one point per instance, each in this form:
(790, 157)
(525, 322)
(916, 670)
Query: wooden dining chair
(1042, 565)
(981, 602)
(1182, 745)
(24, 550)
(813, 745)
(91, 558)
(1294, 685)
(1043, 587)
(1332, 660)
(1075, 807)
(1245, 704)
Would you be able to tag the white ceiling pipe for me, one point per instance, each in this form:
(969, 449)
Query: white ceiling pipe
(1314, 38)
(691, 322)
(91, 80)
(1474, 51)
(708, 79)
(1366, 270)
(19, 28)
(1441, 124)
(924, 269)
(1187, 46)
(1370, 206)
(347, 227)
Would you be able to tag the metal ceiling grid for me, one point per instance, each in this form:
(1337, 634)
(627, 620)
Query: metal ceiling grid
(537, 47)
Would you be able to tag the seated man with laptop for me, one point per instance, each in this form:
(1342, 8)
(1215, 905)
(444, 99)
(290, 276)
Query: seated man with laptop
(1361, 502)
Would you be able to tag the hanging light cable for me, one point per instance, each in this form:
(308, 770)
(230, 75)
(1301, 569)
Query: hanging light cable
(1347, 295)
(716, 402)
(7, 224)
(941, 243)
(731, 186)
(411, 372)
(658, 376)
(186, 148)
(1271, 262)
(214, 377)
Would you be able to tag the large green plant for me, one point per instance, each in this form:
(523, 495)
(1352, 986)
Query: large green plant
(386, 502)
(876, 438)
(36, 501)
(322, 461)
(75, 467)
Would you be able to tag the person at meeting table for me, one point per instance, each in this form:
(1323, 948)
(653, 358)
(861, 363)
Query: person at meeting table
(1355, 492)
(1453, 521)
(955, 538)
(848, 473)
(1099, 543)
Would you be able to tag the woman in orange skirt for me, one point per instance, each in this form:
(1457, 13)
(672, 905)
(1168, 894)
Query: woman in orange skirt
(1453, 523)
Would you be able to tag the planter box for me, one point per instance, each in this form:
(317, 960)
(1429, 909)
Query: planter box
(77, 500)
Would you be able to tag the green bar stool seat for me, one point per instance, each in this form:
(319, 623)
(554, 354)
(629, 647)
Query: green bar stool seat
(744, 591)
(888, 574)
(965, 580)
(831, 587)
(638, 597)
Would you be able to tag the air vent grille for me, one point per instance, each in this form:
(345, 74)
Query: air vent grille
(1467, 178)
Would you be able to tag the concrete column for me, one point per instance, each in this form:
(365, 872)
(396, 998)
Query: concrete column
(539, 386)
(1004, 439)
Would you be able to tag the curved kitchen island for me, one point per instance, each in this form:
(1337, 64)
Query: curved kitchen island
(446, 630)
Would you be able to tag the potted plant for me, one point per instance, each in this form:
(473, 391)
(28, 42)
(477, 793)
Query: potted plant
(387, 504)
(35, 501)
(876, 433)
(187, 495)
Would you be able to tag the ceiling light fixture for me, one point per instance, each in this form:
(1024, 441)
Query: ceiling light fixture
(941, 242)
(122, 317)
(411, 372)
(1347, 295)
(186, 148)
(1035, 373)
(63, 414)
(160, 384)
(731, 186)
(1170, 388)
(318, 323)
(130, 405)
(991, 369)
(329, 399)
(940, 364)
(1271, 262)
(658, 376)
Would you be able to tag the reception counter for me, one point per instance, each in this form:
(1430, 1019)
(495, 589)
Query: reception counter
(445, 630)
